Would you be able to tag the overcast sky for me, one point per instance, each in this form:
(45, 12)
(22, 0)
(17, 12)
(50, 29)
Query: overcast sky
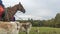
(36, 9)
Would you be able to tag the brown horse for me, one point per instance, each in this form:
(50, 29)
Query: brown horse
(10, 11)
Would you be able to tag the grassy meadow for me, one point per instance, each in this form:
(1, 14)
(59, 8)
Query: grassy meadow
(43, 30)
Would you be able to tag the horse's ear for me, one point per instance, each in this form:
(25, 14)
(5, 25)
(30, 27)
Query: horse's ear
(19, 2)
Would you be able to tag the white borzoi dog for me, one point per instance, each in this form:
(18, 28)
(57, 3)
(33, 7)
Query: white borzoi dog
(26, 27)
(9, 27)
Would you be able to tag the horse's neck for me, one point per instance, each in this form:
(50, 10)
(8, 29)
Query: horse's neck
(12, 10)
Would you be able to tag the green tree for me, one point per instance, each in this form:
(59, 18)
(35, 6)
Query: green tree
(57, 20)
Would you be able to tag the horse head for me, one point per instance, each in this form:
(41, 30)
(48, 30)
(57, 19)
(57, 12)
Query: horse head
(20, 7)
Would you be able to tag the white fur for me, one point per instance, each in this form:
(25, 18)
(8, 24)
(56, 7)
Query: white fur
(28, 24)
(10, 28)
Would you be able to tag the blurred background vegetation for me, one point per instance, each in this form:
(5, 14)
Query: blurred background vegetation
(54, 22)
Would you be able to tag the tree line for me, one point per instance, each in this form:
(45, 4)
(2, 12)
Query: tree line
(54, 22)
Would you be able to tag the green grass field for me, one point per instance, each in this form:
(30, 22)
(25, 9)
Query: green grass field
(43, 30)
